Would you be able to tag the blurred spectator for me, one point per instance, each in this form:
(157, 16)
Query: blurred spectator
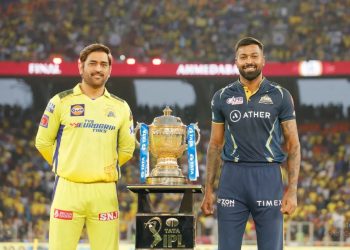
(175, 30)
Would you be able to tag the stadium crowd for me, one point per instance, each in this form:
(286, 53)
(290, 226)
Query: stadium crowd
(175, 30)
(26, 183)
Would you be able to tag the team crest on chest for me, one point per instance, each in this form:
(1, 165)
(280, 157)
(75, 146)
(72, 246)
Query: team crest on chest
(109, 111)
(111, 114)
(234, 100)
(265, 100)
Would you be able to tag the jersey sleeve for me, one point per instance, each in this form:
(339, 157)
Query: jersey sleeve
(287, 111)
(216, 112)
(48, 129)
(126, 138)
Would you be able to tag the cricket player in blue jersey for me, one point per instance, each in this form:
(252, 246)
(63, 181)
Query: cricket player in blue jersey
(86, 134)
(249, 119)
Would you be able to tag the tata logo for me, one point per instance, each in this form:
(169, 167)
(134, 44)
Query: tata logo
(172, 222)
(77, 110)
(235, 115)
(108, 216)
(50, 107)
(63, 214)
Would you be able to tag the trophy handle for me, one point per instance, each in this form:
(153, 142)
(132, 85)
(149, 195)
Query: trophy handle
(198, 132)
(138, 126)
(196, 128)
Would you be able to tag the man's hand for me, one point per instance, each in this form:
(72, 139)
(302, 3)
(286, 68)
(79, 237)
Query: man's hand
(207, 203)
(289, 202)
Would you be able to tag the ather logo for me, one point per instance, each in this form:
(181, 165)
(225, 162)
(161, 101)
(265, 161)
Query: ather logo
(235, 115)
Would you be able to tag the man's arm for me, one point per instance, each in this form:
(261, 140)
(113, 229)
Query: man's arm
(126, 138)
(290, 133)
(212, 165)
(48, 129)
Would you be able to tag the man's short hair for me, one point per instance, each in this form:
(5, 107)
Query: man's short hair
(248, 41)
(84, 53)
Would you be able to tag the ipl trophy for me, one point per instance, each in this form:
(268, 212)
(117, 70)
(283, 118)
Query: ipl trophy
(167, 142)
(167, 138)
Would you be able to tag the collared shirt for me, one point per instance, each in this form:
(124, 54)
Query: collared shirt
(86, 140)
(252, 126)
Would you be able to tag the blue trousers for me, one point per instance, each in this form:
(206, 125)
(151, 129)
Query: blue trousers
(245, 189)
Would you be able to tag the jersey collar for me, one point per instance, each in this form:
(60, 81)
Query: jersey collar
(77, 91)
(247, 92)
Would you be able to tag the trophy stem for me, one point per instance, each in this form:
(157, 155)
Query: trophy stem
(166, 172)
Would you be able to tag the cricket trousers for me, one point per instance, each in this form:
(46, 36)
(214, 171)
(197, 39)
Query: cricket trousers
(245, 189)
(77, 204)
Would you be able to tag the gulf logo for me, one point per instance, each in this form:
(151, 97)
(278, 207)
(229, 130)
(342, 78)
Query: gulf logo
(77, 110)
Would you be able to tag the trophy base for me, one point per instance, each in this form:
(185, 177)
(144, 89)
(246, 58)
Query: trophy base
(166, 180)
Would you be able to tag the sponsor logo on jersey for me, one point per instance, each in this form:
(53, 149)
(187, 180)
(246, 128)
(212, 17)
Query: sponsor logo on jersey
(50, 107)
(44, 122)
(236, 115)
(108, 216)
(269, 203)
(265, 100)
(77, 110)
(235, 100)
(96, 127)
(226, 202)
(63, 214)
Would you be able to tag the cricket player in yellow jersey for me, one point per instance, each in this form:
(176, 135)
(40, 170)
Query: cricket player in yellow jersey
(86, 134)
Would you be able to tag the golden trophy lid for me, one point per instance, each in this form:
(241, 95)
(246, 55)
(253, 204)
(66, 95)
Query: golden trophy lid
(167, 118)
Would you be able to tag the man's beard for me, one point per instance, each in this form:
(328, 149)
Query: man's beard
(251, 75)
(89, 80)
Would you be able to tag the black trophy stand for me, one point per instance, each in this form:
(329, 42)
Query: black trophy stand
(165, 230)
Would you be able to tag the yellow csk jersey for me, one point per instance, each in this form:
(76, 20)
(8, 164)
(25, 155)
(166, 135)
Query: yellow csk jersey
(86, 140)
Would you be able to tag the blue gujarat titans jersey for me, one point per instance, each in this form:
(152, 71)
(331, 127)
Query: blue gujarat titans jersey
(252, 127)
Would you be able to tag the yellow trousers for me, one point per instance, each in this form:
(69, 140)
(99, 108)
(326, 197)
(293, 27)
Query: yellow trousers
(76, 204)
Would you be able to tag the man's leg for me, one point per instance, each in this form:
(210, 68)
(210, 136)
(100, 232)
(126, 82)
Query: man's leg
(66, 221)
(269, 229)
(266, 208)
(231, 223)
(103, 218)
(233, 211)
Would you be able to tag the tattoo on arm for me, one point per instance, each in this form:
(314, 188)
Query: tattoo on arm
(213, 163)
(293, 148)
